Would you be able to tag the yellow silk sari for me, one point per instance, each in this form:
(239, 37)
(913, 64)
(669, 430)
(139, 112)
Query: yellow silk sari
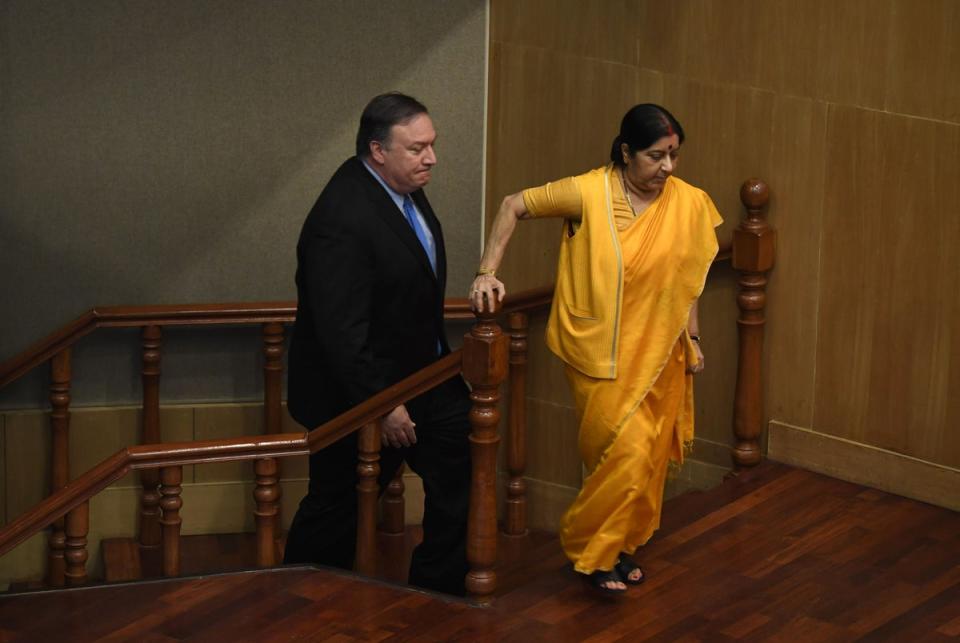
(632, 426)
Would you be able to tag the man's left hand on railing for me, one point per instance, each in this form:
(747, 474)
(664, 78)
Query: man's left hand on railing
(397, 429)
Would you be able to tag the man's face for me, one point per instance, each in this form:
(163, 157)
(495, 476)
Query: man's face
(405, 160)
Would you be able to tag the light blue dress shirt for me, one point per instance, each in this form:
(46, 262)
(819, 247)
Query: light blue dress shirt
(398, 200)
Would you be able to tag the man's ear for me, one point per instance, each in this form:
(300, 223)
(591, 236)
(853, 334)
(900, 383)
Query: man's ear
(376, 152)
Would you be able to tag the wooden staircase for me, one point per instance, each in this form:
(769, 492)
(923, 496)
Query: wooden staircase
(775, 554)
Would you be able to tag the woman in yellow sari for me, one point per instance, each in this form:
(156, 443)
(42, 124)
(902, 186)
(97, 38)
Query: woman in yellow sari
(636, 247)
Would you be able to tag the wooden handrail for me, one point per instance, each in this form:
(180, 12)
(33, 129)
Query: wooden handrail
(133, 316)
(147, 456)
(455, 308)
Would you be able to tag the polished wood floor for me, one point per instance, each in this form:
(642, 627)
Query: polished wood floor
(778, 555)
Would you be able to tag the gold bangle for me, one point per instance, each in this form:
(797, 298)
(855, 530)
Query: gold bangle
(486, 271)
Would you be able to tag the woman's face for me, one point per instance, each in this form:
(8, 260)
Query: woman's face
(647, 170)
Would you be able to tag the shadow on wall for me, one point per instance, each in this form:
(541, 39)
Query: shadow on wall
(169, 152)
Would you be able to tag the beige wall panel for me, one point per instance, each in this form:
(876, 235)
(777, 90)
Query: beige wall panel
(216, 422)
(547, 502)
(98, 433)
(546, 380)
(114, 513)
(714, 388)
(796, 179)
(924, 59)
(853, 51)
(709, 452)
(26, 562)
(736, 133)
(27, 460)
(227, 505)
(604, 30)
(888, 357)
(554, 116)
(815, 48)
(292, 491)
(552, 451)
(728, 139)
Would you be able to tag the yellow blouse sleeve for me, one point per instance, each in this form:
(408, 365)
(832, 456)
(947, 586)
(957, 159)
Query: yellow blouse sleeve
(555, 199)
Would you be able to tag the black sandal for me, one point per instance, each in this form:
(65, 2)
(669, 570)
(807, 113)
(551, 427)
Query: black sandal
(596, 582)
(625, 567)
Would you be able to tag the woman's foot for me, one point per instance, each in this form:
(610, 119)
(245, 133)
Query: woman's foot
(629, 571)
(606, 583)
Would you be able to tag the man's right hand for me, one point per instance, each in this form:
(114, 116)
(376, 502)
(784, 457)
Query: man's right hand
(396, 428)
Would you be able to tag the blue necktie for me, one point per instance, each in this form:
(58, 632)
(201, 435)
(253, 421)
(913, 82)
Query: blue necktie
(411, 214)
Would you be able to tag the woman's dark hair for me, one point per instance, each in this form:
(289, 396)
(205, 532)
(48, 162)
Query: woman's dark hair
(641, 127)
(382, 113)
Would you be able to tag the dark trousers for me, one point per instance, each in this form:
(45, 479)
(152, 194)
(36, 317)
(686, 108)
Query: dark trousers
(324, 529)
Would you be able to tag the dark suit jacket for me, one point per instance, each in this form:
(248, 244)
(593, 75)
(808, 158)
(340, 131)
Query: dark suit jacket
(369, 307)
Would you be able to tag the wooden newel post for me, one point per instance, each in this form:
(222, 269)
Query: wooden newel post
(170, 503)
(77, 527)
(484, 367)
(151, 342)
(60, 374)
(266, 494)
(368, 491)
(516, 518)
(754, 246)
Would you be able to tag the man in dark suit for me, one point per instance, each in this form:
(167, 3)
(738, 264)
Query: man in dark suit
(371, 272)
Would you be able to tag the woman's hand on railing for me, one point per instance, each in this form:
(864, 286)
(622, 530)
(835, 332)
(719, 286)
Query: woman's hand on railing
(485, 287)
(397, 429)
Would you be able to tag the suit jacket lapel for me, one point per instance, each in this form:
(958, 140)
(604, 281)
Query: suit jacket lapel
(420, 199)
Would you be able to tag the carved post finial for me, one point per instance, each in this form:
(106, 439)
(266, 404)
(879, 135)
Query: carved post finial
(754, 194)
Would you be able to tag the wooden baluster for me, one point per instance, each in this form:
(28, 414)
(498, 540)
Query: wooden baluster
(151, 341)
(516, 519)
(77, 526)
(170, 503)
(60, 374)
(266, 493)
(394, 519)
(272, 398)
(368, 469)
(484, 367)
(754, 243)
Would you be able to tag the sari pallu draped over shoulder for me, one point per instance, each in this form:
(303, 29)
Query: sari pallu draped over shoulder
(619, 322)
